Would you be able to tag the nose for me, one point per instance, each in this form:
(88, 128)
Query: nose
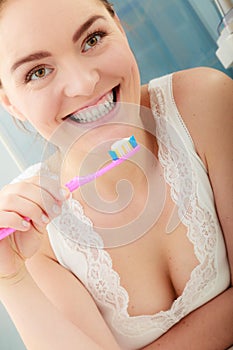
(80, 80)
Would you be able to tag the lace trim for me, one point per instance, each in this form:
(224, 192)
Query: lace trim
(158, 104)
(104, 283)
(77, 231)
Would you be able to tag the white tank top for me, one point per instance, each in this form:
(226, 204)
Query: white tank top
(93, 265)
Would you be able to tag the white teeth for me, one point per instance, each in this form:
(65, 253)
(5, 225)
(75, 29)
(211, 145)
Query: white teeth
(107, 104)
(96, 112)
(88, 116)
(102, 109)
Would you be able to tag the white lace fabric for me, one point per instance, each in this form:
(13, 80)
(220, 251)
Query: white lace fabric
(80, 249)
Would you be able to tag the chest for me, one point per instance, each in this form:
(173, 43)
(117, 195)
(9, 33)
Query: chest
(150, 254)
(155, 268)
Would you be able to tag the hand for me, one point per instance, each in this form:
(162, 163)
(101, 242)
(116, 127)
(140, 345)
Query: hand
(36, 198)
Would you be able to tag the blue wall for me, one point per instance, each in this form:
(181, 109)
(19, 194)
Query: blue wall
(171, 35)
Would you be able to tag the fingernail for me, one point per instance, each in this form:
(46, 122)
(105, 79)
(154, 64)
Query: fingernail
(56, 209)
(45, 219)
(25, 223)
(64, 193)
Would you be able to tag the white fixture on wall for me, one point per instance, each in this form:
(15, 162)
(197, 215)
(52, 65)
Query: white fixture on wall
(225, 29)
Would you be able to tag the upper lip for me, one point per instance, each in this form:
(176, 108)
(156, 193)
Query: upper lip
(91, 103)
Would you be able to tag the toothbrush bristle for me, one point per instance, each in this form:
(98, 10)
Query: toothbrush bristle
(122, 147)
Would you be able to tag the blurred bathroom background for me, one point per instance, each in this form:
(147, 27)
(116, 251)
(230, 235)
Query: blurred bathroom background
(166, 36)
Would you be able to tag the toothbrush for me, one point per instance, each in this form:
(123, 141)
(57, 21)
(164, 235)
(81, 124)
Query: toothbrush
(120, 151)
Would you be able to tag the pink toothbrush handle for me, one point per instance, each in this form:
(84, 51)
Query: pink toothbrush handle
(4, 232)
(77, 182)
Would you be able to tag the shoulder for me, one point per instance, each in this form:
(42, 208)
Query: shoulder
(205, 91)
(201, 85)
(197, 84)
(204, 99)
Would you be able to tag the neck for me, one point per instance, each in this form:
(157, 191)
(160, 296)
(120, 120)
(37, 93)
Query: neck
(85, 152)
(135, 170)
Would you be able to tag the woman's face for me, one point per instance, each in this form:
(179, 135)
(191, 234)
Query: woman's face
(58, 57)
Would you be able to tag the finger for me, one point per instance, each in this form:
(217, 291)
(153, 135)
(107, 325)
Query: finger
(23, 207)
(13, 220)
(37, 187)
(28, 199)
(52, 186)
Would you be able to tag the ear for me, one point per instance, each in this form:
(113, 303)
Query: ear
(12, 110)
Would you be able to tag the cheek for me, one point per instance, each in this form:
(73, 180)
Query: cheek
(123, 66)
(121, 61)
(37, 108)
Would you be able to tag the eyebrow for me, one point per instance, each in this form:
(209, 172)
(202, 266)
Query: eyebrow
(32, 57)
(85, 26)
(44, 54)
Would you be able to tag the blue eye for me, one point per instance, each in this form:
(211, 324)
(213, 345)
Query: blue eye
(38, 73)
(93, 40)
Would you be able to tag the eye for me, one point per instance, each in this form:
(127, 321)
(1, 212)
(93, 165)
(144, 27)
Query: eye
(93, 40)
(38, 73)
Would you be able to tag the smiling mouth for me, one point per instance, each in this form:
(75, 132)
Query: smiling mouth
(94, 113)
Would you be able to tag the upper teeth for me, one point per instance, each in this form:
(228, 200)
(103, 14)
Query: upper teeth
(95, 112)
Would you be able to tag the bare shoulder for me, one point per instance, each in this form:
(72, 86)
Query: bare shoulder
(204, 97)
(203, 93)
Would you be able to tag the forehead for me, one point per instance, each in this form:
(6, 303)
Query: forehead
(33, 20)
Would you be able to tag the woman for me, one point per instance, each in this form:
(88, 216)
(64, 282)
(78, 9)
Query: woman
(94, 271)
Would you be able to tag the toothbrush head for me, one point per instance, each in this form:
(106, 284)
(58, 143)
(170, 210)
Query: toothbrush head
(123, 148)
